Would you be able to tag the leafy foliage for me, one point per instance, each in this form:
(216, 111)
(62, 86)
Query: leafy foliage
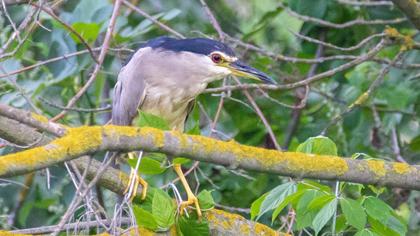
(316, 204)
(385, 127)
(159, 212)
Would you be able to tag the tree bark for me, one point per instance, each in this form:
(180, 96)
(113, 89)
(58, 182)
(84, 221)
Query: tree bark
(87, 140)
(220, 222)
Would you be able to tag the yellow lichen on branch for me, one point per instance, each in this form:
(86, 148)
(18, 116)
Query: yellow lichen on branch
(74, 143)
(86, 140)
(39, 118)
(6, 233)
(377, 167)
(401, 168)
(407, 41)
(234, 224)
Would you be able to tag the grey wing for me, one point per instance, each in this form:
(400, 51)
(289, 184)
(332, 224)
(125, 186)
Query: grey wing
(190, 108)
(129, 93)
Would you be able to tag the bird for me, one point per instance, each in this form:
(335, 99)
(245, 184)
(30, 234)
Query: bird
(164, 77)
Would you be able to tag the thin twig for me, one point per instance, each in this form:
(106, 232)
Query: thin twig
(80, 195)
(233, 209)
(70, 226)
(22, 92)
(213, 20)
(16, 31)
(345, 24)
(68, 27)
(301, 102)
(54, 59)
(309, 60)
(366, 3)
(77, 109)
(352, 48)
(396, 146)
(25, 23)
(365, 96)
(152, 19)
(261, 115)
(98, 66)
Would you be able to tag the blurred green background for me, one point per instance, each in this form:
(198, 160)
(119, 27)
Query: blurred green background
(392, 111)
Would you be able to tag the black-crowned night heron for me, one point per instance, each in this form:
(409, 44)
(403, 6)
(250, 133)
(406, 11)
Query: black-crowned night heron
(164, 77)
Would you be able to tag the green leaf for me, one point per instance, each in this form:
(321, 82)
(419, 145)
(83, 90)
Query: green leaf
(304, 217)
(354, 213)
(45, 203)
(340, 224)
(181, 160)
(314, 8)
(192, 125)
(377, 209)
(163, 209)
(146, 204)
(205, 200)
(403, 212)
(195, 130)
(262, 23)
(381, 228)
(378, 190)
(149, 120)
(415, 144)
(318, 145)
(396, 225)
(289, 199)
(193, 227)
(276, 197)
(310, 184)
(145, 218)
(61, 44)
(324, 215)
(148, 166)
(88, 31)
(361, 155)
(365, 232)
(91, 11)
(256, 206)
(160, 157)
(151, 167)
(24, 212)
(319, 202)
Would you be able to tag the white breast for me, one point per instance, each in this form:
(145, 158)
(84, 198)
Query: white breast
(171, 103)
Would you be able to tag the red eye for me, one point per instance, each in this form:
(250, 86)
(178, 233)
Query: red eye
(216, 58)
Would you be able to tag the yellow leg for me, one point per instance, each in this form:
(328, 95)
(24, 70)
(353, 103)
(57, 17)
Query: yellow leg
(191, 198)
(134, 182)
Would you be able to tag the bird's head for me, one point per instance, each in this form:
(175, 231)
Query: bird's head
(236, 67)
(210, 57)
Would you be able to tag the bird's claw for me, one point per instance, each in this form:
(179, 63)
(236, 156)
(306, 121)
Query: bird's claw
(192, 200)
(133, 184)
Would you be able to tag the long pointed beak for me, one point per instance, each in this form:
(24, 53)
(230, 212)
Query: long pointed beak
(241, 69)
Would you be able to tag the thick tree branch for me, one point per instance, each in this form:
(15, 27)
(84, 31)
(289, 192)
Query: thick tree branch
(32, 120)
(411, 9)
(220, 222)
(87, 140)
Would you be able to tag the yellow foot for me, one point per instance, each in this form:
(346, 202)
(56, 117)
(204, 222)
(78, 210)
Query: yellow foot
(191, 199)
(134, 182)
